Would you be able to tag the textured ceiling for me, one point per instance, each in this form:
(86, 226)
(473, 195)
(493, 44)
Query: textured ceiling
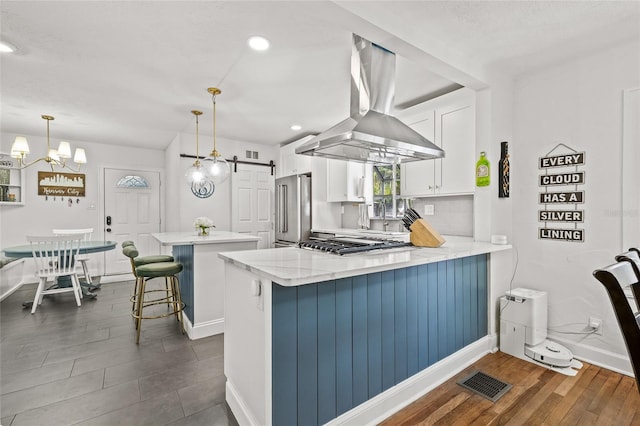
(128, 73)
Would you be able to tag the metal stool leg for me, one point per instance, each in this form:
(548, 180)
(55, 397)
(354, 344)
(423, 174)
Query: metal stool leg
(178, 308)
(140, 305)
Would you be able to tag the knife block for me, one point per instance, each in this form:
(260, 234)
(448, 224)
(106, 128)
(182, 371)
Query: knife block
(423, 235)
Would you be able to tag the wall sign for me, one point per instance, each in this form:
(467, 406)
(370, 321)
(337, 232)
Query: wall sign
(560, 179)
(561, 197)
(61, 184)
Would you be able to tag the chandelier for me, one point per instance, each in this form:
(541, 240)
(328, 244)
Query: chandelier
(217, 166)
(55, 157)
(198, 177)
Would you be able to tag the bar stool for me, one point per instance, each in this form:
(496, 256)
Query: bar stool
(143, 273)
(143, 260)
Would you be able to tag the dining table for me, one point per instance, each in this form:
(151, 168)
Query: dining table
(86, 247)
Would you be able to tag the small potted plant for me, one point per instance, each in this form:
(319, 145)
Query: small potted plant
(202, 224)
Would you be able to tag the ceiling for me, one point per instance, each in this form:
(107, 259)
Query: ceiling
(129, 73)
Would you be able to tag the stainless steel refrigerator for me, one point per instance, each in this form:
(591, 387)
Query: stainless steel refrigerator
(293, 209)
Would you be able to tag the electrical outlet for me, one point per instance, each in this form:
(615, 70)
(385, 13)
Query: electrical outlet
(429, 210)
(596, 324)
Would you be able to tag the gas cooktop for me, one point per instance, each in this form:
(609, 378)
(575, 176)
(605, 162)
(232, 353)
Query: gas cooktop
(350, 245)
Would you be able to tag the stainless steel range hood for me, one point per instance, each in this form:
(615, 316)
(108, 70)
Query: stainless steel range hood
(371, 134)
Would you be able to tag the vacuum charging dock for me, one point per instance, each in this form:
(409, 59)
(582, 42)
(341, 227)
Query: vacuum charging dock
(523, 332)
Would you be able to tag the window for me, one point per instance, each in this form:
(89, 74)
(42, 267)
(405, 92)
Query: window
(386, 190)
(132, 182)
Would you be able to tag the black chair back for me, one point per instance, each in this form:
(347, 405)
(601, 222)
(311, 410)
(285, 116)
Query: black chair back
(633, 258)
(614, 278)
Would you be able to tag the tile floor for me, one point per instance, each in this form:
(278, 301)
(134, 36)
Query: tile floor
(68, 365)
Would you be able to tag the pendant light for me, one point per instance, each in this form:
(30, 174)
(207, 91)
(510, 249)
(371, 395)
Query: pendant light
(55, 157)
(198, 177)
(216, 165)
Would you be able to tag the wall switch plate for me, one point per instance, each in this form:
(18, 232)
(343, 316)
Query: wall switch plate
(429, 210)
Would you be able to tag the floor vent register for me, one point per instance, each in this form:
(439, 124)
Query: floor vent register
(485, 385)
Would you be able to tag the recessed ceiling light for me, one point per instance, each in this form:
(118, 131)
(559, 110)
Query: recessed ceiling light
(296, 127)
(258, 43)
(7, 47)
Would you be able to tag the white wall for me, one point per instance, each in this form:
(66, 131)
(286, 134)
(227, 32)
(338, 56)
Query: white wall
(184, 207)
(40, 216)
(578, 103)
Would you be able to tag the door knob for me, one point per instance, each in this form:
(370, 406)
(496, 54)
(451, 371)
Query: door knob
(108, 229)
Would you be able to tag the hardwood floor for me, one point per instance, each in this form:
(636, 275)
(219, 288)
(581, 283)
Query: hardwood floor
(539, 396)
(80, 365)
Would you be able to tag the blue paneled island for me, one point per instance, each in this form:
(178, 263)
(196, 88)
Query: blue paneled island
(314, 338)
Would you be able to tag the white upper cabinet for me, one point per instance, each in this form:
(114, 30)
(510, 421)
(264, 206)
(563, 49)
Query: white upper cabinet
(418, 177)
(292, 163)
(449, 122)
(345, 181)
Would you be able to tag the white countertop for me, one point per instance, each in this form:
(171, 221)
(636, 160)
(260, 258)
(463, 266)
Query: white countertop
(293, 266)
(214, 237)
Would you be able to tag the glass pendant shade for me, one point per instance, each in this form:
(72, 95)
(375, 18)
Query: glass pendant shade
(80, 156)
(64, 149)
(195, 174)
(20, 147)
(218, 168)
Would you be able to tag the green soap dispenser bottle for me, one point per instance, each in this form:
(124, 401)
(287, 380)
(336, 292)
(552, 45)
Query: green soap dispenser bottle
(482, 170)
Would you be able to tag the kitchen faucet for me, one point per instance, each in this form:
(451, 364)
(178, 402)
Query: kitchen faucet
(383, 213)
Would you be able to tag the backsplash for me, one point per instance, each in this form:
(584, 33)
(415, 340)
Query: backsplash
(453, 215)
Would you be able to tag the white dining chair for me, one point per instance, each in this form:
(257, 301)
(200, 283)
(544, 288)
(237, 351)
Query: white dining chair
(83, 258)
(55, 256)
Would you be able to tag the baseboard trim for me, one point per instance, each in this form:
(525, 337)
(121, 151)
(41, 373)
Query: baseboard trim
(238, 407)
(203, 329)
(116, 278)
(394, 399)
(11, 291)
(11, 272)
(596, 356)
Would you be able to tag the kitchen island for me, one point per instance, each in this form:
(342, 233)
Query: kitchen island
(202, 277)
(315, 338)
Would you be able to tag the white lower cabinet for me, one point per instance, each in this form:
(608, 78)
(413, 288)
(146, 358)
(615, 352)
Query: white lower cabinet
(449, 122)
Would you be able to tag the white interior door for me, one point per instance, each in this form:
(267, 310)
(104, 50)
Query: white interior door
(252, 210)
(131, 212)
